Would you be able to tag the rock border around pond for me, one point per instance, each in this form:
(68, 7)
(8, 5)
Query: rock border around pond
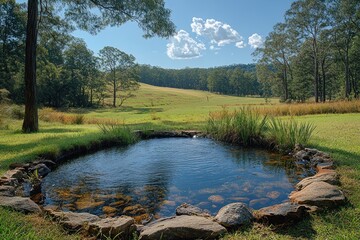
(315, 193)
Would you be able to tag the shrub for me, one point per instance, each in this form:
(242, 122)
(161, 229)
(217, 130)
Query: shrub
(79, 119)
(244, 126)
(286, 134)
(121, 133)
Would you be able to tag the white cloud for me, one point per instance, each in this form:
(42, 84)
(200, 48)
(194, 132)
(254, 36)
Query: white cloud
(240, 44)
(255, 40)
(182, 46)
(219, 33)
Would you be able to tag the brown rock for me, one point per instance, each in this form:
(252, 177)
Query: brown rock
(216, 199)
(114, 228)
(108, 210)
(16, 173)
(320, 194)
(273, 194)
(86, 201)
(326, 165)
(182, 227)
(281, 213)
(325, 175)
(136, 209)
(20, 204)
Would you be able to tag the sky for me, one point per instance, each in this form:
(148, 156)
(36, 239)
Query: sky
(209, 33)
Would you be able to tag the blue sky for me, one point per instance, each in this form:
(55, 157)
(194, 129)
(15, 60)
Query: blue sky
(210, 33)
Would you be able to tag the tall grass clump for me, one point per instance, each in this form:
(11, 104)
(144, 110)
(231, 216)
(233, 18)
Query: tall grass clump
(244, 126)
(286, 134)
(120, 133)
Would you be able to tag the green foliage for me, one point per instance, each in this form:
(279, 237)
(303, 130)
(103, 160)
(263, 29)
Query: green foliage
(121, 133)
(286, 134)
(79, 119)
(244, 126)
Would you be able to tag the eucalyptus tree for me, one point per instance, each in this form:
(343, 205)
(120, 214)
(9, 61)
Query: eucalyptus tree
(118, 65)
(308, 18)
(346, 22)
(12, 36)
(90, 15)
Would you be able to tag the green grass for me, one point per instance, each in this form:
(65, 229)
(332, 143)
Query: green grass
(166, 108)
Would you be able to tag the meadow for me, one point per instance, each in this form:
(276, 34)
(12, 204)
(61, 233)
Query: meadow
(337, 132)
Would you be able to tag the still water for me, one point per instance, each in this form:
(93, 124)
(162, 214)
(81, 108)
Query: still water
(151, 178)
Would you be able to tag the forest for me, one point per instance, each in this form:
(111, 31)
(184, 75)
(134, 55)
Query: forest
(313, 55)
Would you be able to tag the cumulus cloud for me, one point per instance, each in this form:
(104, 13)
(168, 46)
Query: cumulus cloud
(219, 33)
(255, 40)
(182, 46)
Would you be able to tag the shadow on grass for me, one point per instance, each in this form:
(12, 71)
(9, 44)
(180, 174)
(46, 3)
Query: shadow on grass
(302, 229)
(136, 110)
(61, 130)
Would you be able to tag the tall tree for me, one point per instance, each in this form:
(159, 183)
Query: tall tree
(117, 64)
(90, 15)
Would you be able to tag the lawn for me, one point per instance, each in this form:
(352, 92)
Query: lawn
(166, 108)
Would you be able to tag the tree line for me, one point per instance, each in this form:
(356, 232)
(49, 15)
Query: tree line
(314, 53)
(239, 80)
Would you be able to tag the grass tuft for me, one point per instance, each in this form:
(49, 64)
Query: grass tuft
(121, 133)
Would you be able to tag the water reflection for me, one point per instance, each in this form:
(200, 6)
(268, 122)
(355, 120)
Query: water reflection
(149, 179)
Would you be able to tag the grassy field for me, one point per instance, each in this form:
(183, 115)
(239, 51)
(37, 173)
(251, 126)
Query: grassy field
(166, 108)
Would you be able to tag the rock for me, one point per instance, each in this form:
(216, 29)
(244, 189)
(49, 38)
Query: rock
(41, 168)
(73, 221)
(281, 213)
(136, 209)
(50, 164)
(328, 176)
(273, 194)
(108, 210)
(86, 201)
(320, 194)
(113, 228)
(20, 204)
(143, 218)
(190, 210)
(261, 201)
(234, 215)
(7, 191)
(182, 227)
(16, 173)
(326, 165)
(216, 198)
(169, 203)
(19, 165)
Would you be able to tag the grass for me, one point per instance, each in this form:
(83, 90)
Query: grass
(166, 108)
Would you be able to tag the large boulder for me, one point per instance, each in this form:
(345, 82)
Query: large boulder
(114, 228)
(320, 194)
(234, 215)
(20, 204)
(284, 213)
(190, 210)
(325, 175)
(182, 227)
(73, 221)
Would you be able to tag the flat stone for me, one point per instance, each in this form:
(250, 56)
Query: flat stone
(190, 210)
(326, 165)
(20, 204)
(216, 198)
(73, 221)
(325, 175)
(109, 210)
(7, 191)
(284, 213)
(320, 194)
(182, 227)
(16, 173)
(234, 215)
(114, 228)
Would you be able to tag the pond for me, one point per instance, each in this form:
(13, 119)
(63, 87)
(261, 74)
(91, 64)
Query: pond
(152, 177)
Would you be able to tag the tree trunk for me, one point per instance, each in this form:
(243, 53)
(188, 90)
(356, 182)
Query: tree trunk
(323, 71)
(30, 123)
(114, 86)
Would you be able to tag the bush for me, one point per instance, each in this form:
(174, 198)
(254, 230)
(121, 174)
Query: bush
(244, 126)
(79, 119)
(121, 133)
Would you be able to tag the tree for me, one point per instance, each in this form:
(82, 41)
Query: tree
(118, 65)
(90, 15)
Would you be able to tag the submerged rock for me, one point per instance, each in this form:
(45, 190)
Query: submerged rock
(182, 227)
(234, 215)
(190, 210)
(284, 213)
(20, 204)
(320, 194)
(216, 199)
(114, 228)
